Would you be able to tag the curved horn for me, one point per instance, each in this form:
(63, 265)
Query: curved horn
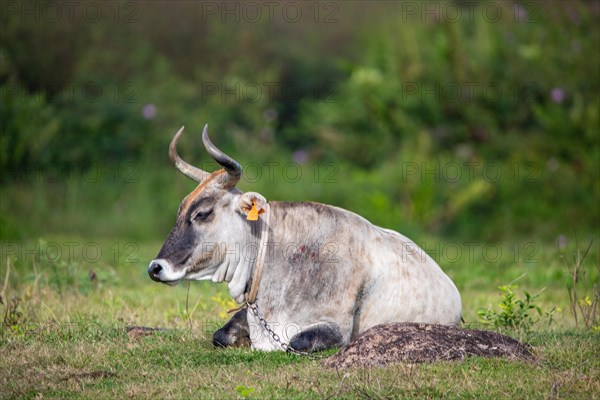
(233, 168)
(188, 170)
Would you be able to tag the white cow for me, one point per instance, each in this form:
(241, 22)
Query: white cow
(314, 276)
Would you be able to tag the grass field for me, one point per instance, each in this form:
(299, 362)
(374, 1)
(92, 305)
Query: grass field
(469, 126)
(65, 316)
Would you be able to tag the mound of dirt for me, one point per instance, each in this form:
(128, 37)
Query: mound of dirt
(419, 343)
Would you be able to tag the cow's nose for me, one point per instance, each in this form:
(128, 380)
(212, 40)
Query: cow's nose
(154, 270)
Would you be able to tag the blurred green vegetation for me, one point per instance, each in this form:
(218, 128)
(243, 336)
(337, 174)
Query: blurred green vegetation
(481, 125)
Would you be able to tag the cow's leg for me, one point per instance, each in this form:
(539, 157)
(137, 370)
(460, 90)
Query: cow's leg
(235, 332)
(323, 335)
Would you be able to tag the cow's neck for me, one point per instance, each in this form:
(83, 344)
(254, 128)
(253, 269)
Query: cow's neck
(238, 268)
(261, 255)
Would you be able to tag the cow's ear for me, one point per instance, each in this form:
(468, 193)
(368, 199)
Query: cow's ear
(251, 204)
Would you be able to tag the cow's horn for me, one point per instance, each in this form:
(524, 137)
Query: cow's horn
(233, 168)
(188, 170)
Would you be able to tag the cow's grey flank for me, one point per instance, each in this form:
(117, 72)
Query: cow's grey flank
(328, 273)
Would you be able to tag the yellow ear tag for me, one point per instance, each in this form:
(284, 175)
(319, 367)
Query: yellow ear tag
(253, 213)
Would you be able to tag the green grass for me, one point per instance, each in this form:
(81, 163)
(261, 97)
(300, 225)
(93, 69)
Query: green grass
(87, 175)
(68, 338)
(77, 362)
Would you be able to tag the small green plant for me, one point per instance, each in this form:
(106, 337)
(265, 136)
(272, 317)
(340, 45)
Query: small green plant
(584, 289)
(13, 316)
(226, 304)
(517, 314)
(244, 391)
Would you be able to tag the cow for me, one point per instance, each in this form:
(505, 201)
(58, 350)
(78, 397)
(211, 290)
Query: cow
(312, 276)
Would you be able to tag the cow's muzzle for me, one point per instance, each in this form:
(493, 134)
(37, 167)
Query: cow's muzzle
(154, 270)
(161, 270)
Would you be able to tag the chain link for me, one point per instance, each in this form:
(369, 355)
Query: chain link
(254, 308)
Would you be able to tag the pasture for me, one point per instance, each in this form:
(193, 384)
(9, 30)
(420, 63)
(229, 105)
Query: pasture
(64, 334)
(470, 127)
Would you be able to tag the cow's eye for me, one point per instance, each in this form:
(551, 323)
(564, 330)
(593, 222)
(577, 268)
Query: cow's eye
(202, 215)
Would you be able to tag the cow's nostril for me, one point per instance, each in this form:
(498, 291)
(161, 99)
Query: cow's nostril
(154, 270)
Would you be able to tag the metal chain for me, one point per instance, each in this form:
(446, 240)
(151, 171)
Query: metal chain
(254, 308)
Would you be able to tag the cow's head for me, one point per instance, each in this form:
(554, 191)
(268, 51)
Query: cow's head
(211, 223)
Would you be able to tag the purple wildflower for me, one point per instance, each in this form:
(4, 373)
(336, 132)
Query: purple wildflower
(270, 114)
(552, 164)
(300, 156)
(149, 111)
(520, 13)
(561, 241)
(557, 95)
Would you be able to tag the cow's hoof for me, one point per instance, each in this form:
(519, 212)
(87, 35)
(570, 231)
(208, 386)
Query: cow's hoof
(320, 337)
(235, 333)
(222, 339)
